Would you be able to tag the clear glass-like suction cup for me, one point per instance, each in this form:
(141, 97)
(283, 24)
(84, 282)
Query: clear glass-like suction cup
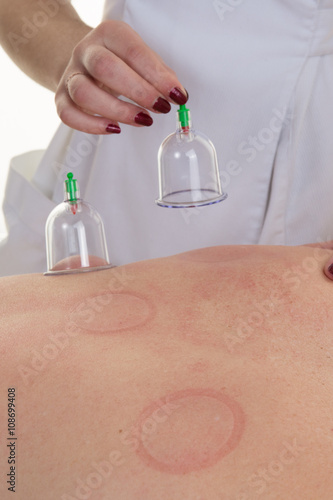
(75, 238)
(187, 168)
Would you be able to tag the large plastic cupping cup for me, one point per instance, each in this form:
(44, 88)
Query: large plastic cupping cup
(187, 168)
(75, 237)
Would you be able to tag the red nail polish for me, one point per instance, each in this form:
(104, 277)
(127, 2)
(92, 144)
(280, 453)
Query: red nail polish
(113, 129)
(177, 95)
(162, 105)
(143, 119)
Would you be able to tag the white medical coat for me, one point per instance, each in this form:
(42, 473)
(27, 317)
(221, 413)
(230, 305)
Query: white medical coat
(260, 79)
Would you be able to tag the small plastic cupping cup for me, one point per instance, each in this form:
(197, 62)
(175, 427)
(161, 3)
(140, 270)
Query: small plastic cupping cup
(187, 168)
(75, 237)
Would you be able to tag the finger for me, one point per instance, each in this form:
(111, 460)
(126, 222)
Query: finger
(328, 268)
(110, 71)
(124, 42)
(326, 248)
(94, 100)
(77, 119)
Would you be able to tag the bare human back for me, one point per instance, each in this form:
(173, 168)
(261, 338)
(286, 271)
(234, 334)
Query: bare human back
(207, 375)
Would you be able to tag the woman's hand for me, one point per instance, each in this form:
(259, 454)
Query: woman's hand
(110, 61)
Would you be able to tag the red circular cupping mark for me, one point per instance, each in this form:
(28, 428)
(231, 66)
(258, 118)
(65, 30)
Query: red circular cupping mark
(191, 430)
(113, 312)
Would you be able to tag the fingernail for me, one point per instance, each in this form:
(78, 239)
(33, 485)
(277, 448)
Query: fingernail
(177, 95)
(330, 269)
(113, 129)
(143, 119)
(162, 105)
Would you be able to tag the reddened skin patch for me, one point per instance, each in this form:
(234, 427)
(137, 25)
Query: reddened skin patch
(202, 427)
(112, 312)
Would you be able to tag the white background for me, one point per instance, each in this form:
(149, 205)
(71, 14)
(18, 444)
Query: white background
(28, 117)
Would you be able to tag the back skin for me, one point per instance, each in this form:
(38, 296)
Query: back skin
(203, 376)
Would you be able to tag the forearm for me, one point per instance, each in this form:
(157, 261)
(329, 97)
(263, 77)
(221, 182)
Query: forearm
(39, 36)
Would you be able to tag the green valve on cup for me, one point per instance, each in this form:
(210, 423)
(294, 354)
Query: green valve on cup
(71, 188)
(184, 116)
